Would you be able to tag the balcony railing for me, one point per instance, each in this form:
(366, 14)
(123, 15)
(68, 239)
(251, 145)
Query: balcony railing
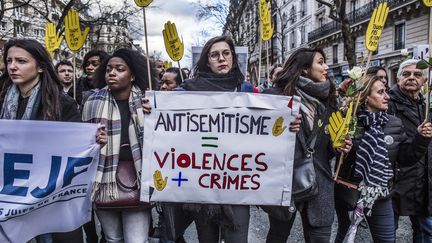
(360, 14)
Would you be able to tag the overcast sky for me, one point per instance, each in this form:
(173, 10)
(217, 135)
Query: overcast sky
(183, 14)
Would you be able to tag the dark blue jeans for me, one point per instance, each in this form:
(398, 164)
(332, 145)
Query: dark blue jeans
(280, 230)
(381, 222)
(422, 228)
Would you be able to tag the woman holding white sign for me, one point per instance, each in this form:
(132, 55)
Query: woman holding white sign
(217, 69)
(31, 90)
(119, 105)
(305, 75)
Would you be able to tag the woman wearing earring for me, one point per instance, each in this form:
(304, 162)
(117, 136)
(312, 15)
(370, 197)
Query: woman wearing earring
(381, 142)
(119, 105)
(305, 75)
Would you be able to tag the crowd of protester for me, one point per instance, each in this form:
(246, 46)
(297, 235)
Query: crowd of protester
(390, 155)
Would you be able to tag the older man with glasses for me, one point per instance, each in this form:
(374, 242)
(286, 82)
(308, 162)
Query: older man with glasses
(412, 194)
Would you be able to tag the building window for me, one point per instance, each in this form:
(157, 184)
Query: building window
(292, 39)
(292, 14)
(303, 34)
(399, 37)
(320, 22)
(353, 5)
(335, 54)
(302, 8)
(3, 26)
(19, 28)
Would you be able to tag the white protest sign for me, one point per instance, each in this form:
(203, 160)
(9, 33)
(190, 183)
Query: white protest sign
(214, 147)
(46, 175)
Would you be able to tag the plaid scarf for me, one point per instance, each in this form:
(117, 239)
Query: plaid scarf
(10, 104)
(101, 107)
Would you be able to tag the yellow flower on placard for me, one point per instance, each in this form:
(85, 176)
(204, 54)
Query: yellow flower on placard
(143, 3)
(376, 26)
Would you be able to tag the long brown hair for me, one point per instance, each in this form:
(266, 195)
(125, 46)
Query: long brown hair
(50, 84)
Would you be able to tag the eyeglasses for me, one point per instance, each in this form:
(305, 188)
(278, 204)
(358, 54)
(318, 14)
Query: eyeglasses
(416, 74)
(214, 56)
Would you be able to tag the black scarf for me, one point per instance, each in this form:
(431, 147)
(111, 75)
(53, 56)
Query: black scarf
(372, 162)
(212, 82)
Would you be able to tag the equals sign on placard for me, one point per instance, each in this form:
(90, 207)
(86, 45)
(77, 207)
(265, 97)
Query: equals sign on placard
(209, 142)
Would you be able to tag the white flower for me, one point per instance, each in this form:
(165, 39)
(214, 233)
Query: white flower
(404, 52)
(355, 73)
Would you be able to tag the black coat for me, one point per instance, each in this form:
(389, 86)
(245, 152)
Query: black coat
(413, 187)
(319, 209)
(399, 147)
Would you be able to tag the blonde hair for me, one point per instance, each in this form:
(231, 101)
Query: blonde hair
(367, 83)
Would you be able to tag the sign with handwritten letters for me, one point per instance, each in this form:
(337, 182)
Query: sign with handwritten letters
(143, 3)
(75, 38)
(376, 26)
(173, 45)
(215, 147)
(427, 3)
(46, 176)
(53, 38)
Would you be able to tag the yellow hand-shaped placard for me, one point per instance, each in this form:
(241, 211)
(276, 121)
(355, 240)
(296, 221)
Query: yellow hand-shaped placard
(427, 3)
(143, 3)
(53, 38)
(266, 25)
(278, 127)
(262, 7)
(376, 26)
(159, 182)
(173, 45)
(339, 127)
(75, 39)
(167, 64)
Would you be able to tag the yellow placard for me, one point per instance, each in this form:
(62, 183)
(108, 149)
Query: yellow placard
(53, 38)
(173, 45)
(143, 3)
(339, 127)
(427, 3)
(262, 7)
(376, 26)
(75, 38)
(266, 25)
(168, 64)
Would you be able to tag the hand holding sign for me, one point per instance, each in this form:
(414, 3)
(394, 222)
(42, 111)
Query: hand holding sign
(53, 38)
(75, 39)
(143, 3)
(173, 45)
(159, 182)
(376, 26)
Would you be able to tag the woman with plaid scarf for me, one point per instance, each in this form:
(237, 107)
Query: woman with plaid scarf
(119, 106)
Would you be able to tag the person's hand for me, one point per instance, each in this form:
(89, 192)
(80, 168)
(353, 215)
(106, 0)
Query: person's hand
(101, 135)
(158, 180)
(294, 125)
(347, 146)
(75, 39)
(173, 45)
(53, 38)
(146, 105)
(376, 26)
(425, 129)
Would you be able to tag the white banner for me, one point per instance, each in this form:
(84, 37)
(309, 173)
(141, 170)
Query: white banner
(213, 147)
(46, 174)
